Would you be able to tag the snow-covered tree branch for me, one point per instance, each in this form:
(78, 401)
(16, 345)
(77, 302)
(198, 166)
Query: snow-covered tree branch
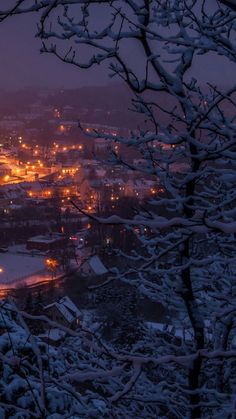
(186, 257)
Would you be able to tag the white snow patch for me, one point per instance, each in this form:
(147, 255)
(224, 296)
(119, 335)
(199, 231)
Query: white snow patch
(15, 267)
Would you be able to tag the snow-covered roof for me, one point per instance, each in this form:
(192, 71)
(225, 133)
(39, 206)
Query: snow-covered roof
(67, 308)
(46, 239)
(68, 303)
(65, 312)
(53, 334)
(101, 172)
(97, 265)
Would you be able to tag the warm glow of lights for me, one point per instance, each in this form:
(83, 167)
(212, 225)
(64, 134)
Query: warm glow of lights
(51, 264)
(57, 113)
(1, 270)
(6, 178)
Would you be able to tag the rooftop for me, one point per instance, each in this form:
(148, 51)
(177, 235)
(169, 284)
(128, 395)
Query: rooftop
(67, 308)
(97, 265)
(46, 239)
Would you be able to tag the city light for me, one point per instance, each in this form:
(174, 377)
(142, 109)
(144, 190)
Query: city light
(51, 264)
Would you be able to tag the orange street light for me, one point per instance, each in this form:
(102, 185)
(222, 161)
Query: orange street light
(51, 264)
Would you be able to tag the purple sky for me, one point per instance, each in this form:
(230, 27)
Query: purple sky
(22, 64)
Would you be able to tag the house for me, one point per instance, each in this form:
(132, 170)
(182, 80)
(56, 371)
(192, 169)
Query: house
(5, 169)
(64, 311)
(47, 242)
(93, 266)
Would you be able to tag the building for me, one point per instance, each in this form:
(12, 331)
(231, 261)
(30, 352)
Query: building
(93, 266)
(64, 311)
(5, 170)
(48, 242)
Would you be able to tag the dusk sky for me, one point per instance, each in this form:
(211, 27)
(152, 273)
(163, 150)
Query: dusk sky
(23, 65)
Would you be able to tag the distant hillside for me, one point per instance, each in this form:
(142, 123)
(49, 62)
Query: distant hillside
(94, 97)
(107, 105)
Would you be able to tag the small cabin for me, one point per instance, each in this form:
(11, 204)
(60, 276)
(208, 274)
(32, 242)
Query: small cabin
(47, 243)
(64, 311)
(93, 267)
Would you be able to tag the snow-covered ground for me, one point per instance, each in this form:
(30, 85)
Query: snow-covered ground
(19, 267)
(180, 332)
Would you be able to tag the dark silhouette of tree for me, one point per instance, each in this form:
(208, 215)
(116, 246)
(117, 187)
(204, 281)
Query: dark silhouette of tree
(186, 256)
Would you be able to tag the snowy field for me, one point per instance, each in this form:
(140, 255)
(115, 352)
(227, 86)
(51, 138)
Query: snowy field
(17, 268)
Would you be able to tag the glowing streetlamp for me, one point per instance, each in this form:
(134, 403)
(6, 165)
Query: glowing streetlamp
(52, 265)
